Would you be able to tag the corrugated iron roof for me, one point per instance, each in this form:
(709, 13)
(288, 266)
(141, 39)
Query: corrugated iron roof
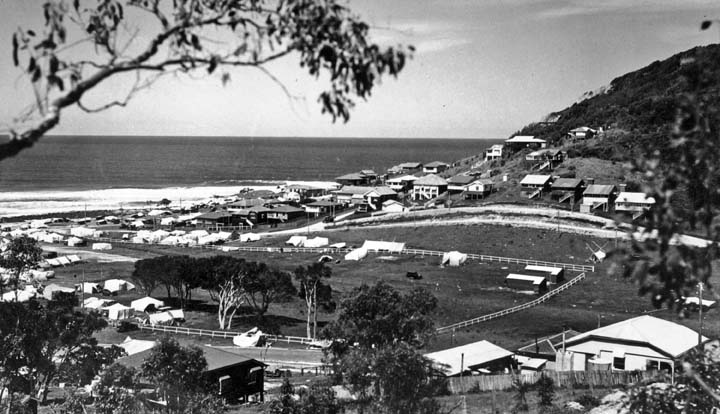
(567, 183)
(533, 179)
(430, 179)
(599, 189)
(470, 355)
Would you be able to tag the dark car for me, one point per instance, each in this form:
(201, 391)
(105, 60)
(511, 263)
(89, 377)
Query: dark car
(413, 275)
(329, 219)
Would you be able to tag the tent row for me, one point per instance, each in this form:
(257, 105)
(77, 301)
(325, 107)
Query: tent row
(63, 260)
(145, 309)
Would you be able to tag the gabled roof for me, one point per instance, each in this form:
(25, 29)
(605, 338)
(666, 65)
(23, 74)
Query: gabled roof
(632, 197)
(434, 164)
(381, 191)
(534, 179)
(285, 209)
(525, 139)
(669, 337)
(368, 172)
(472, 355)
(536, 280)
(410, 165)
(391, 202)
(582, 129)
(430, 179)
(548, 344)
(353, 189)
(351, 176)
(323, 203)
(571, 183)
(402, 178)
(461, 179)
(599, 189)
(216, 359)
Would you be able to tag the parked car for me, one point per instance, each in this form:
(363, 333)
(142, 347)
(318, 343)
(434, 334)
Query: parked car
(329, 219)
(413, 275)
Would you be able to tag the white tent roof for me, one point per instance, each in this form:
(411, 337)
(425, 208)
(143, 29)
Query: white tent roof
(316, 242)
(248, 237)
(671, 338)
(377, 246)
(474, 354)
(356, 254)
(632, 197)
(296, 240)
(454, 258)
(135, 346)
(161, 318)
(142, 303)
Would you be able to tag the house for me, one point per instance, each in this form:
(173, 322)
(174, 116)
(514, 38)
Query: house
(633, 202)
(435, 167)
(567, 189)
(495, 152)
(478, 189)
(482, 356)
(375, 198)
(401, 183)
(552, 274)
(458, 183)
(428, 187)
(525, 141)
(582, 133)
(233, 376)
(323, 207)
(410, 166)
(537, 284)
(598, 196)
(351, 194)
(305, 191)
(546, 158)
(533, 185)
(641, 343)
(284, 213)
(216, 218)
(352, 179)
(394, 206)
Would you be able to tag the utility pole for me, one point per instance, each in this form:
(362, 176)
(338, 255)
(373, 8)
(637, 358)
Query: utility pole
(700, 308)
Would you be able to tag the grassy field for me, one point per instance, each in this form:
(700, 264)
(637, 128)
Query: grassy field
(463, 293)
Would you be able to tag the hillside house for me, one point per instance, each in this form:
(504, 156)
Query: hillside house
(633, 202)
(525, 141)
(374, 199)
(393, 206)
(305, 191)
(364, 177)
(356, 195)
(217, 218)
(435, 167)
(598, 196)
(533, 185)
(323, 207)
(546, 158)
(284, 213)
(567, 189)
(458, 183)
(641, 343)
(234, 376)
(478, 189)
(410, 166)
(401, 183)
(428, 187)
(477, 357)
(495, 152)
(582, 133)
(534, 283)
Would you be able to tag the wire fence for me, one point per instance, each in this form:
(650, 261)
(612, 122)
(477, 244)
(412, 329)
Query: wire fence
(224, 334)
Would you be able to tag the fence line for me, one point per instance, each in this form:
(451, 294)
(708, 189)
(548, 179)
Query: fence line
(514, 309)
(562, 379)
(223, 334)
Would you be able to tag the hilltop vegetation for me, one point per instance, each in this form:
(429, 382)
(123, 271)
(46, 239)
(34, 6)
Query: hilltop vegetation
(638, 109)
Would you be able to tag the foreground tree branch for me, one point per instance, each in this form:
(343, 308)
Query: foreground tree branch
(324, 35)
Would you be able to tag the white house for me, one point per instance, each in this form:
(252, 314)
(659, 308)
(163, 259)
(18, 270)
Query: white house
(393, 206)
(635, 202)
(582, 133)
(428, 187)
(494, 152)
(401, 183)
(478, 189)
(641, 343)
(435, 167)
(526, 141)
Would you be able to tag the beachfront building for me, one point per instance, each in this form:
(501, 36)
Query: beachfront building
(598, 196)
(364, 177)
(582, 133)
(410, 166)
(375, 198)
(525, 141)
(458, 183)
(323, 207)
(633, 202)
(533, 185)
(305, 191)
(480, 357)
(478, 189)
(495, 152)
(401, 183)
(232, 376)
(216, 219)
(567, 189)
(641, 343)
(435, 167)
(546, 158)
(284, 213)
(428, 187)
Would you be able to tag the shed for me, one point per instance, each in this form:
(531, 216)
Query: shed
(481, 355)
(633, 202)
(533, 185)
(552, 274)
(537, 284)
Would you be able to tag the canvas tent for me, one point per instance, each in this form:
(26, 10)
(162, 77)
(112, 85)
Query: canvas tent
(75, 241)
(50, 291)
(135, 346)
(118, 311)
(356, 254)
(316, 242)
(249, 237)
(117, 285)
(81, 232)
(249, 338)
(383, 246)
(142, 304)
(88, 287)
(296, 241)
(101, 246)
(162, 318)
(453, 258)
(96, 303)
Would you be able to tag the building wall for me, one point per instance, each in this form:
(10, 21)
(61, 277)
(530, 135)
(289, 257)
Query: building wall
(627, 206)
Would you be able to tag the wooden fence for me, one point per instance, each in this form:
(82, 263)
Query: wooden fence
(562, 379)
(224, 334)
(508, 311)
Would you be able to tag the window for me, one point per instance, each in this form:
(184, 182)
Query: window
(619, 363)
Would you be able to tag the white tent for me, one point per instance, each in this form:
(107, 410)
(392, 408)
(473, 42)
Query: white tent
(138, 224)
(356, 254)
(98, 233)
(316, 242)
(178, 232)
(96, 303)
(383, 246)
(135, 346)
(145, 234)
(162, 318)
(177, 314)
(51, 238)
(338, 245)
(42, 275)
(53, 262)
(249, 338)
(75, 241)
(196, 234)
(296, 241)
(81, 232)
(167, 221)
(74, 258)
(229, 249)
(117, 285)
(154, 213)
(101, 246)
(453, 258)
(22, 296)
(158, 235)
(63, 260)
(118, 311)
(249, 237)
(88, 287)
(141, 304)
(137, 240)
(209, 239)
(49, 291)
(224, 235)
(172, 241)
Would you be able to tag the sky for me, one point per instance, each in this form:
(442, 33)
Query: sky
(482, 69)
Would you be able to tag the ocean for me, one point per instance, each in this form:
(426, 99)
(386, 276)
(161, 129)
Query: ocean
(72, 173)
